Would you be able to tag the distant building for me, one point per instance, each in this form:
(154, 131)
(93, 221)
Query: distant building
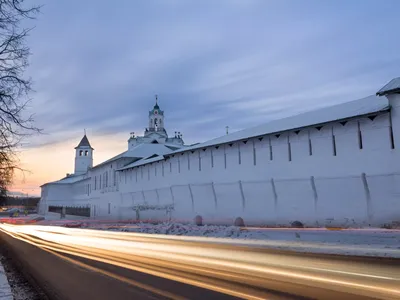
(333, 166)
(86, 179)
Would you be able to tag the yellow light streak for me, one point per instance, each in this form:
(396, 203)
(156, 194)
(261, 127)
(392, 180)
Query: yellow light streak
(213, 264)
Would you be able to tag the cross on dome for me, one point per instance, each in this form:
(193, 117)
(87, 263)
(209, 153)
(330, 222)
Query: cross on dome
(156, 106)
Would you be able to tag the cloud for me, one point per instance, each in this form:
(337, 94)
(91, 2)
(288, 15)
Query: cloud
(98, 64)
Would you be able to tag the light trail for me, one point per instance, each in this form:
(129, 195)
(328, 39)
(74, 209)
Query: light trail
(214, 264)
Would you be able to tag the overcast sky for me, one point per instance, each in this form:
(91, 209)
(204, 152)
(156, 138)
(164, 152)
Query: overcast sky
(97, 64)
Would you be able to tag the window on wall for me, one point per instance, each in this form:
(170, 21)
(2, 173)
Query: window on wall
(391, 131)
(80, 153)
(254, 155)
(115, 178)
(100, 181)
(271, 155)
(360, 141)
(333, 143)
(199, 161)
(86, 153)
(95, 182)
(225, 160)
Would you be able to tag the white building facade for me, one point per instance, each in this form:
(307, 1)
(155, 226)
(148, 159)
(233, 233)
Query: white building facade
(337, 166)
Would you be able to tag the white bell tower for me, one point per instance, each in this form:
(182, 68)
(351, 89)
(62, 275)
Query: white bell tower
(156, 118)
(156, 121)
(83, 156)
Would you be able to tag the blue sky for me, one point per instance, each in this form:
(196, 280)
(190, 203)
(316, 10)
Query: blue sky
(97, 64)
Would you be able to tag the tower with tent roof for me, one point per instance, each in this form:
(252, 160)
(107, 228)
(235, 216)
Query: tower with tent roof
(83, 156)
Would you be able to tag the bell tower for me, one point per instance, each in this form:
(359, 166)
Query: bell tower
(83, 156)
(156, 120)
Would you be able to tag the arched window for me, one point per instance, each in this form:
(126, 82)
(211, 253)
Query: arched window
(86, 153)
(80, 153)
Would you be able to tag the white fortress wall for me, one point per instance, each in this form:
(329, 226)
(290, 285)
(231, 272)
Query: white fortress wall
(342, 173)
(312, 175)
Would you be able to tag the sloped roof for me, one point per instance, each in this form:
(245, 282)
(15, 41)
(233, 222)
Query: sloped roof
(392, 87)
(68, 179)
(148, 149)
(142, 161)
(364, 106)
(84, 143)
(140, 151)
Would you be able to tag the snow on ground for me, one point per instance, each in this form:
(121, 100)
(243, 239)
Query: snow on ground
(13, 284)
(363, 242)
(179, 229)
(5, 289)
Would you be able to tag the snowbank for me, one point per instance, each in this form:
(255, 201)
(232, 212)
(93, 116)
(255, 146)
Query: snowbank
(363, 242)
(181, 229)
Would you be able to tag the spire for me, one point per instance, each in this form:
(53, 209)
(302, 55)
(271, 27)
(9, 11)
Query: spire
(84, 142)
(156, 106)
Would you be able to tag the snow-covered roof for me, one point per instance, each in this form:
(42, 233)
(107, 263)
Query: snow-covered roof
(392, 87)
(145, 150)
(142, 161)
(141, 151)
(364, 106)
(68, 179)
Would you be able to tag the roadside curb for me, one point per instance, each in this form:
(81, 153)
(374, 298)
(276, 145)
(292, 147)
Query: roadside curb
(5, 289)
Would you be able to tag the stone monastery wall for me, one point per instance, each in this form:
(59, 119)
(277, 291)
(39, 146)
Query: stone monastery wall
(340, 174)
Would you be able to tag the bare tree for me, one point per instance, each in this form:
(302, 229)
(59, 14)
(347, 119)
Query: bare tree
(15, 124)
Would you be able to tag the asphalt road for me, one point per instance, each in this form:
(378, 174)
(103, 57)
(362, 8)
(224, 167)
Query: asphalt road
(202, 271)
